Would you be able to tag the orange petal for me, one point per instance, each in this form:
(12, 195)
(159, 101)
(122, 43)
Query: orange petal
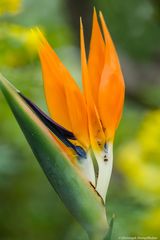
(111, 91)
(54, 90)
(78, 115)
(95, 128)
(64, 99)
(111, 57)
(96, 58)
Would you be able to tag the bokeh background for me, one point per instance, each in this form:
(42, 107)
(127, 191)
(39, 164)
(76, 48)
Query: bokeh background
(29, 207)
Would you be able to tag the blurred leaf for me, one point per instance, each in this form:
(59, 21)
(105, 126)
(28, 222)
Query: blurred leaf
(149, 95)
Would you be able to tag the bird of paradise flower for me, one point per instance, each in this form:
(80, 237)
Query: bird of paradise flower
(83, 123)
(92, 115)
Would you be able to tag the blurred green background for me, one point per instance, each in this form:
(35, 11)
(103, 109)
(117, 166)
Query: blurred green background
(29, 207)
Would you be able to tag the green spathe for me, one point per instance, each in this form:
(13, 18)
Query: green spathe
(73, 189)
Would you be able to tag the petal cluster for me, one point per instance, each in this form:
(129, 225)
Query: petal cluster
(96, 111)
(92, 114)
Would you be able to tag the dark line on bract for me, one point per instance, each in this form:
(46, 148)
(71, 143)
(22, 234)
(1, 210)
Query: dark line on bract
(51, 124)
(63, 134)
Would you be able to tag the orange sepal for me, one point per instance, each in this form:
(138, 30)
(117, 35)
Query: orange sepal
(96, 58)
(64, 99)
(54, 79)
(78, 115)
(111, 90)
(95, 128)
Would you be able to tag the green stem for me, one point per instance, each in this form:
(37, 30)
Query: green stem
(108, 235)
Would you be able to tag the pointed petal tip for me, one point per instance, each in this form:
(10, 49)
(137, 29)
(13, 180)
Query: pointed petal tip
(4, 81)
(82, 43)
(94, 10)
(95, 19)
(37, 34)
(105, 30)
(102, 20)
(42, 39)
(100, 14)
(81, 23)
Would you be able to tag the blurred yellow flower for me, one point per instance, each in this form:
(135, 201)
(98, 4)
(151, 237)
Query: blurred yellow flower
(25, 36)
(10, 6)
(17, 45)
(139, 160)
(151, 222)
(149, 138)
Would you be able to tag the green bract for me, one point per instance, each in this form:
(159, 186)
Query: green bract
(73, 189)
